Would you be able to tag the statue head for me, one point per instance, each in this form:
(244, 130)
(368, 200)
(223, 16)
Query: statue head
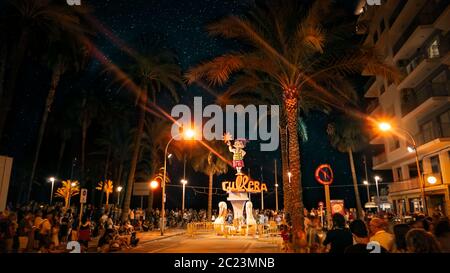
(239, 143)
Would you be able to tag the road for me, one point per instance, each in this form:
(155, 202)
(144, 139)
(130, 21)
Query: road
(208, 243)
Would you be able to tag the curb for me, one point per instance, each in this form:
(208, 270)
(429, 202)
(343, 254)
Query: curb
(162, 237)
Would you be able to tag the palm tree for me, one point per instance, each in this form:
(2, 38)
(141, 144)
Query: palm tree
(290, 49)
(347, 136)
(210, 164)
(106, 187)
(66, 50)
(67, 190)
(30, 26)
(155, 69)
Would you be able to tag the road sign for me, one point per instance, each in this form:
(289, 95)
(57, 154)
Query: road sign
(83, 196)
(141, 189)
(324, 174)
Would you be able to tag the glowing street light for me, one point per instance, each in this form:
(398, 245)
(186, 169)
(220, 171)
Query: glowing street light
(385, 126)
(153, 185)
(188, 134)
(365, 182)
(118, 189)
(52, 180)
(377, 178)
(410, 149)
(184, 182)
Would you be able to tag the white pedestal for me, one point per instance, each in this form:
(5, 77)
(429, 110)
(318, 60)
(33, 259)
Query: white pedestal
(238, 200)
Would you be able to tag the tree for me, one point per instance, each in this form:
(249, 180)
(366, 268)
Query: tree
(347, 136)
(107, 187)
(67, 190)
(304, 55)
(155, 69)
(209, 163)
(66, 50)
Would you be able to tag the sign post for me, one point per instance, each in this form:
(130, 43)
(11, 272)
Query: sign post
(324, 175)
(83, 199)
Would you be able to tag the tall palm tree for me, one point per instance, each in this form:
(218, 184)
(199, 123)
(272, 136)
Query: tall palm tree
(66, 50)
(155, 69)
(210, 164)
(298, 51)
(30, 26)
(347, 136)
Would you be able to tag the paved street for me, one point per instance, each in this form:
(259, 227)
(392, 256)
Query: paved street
(207, 243)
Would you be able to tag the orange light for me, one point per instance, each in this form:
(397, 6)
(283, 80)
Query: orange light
(384, 126)
(154, 184)
(189, 134)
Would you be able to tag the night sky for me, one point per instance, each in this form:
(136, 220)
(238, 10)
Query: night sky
(181, 24)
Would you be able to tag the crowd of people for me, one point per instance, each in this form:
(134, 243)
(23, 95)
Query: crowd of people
(378, 233)
(47, 229)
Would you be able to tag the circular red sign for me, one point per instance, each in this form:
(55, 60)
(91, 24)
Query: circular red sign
(324, 174)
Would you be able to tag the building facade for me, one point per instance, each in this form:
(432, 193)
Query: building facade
(414, 36)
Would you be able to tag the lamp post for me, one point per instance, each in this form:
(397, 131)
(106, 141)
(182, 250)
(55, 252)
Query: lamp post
(184, 182)
(52, 180)
(378, 193)
(189, 134)
(384, 126)
(365, 182)
(119, 189)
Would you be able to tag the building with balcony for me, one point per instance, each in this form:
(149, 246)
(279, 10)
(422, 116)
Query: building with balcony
(414, 36)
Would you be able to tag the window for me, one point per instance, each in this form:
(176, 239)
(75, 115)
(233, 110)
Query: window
(427, 132)
(435, 168)
(433, 49)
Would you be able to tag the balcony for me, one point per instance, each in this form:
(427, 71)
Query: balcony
(405, 185)
(415, 98)
(418, 31)
(443, 131)
(379, 159)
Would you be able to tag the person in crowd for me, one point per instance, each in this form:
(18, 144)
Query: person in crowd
(419, 240)
(442, 233)
(11, 237)
(378, 230)
(400, 231)
(314, 235)
(84, 234)
(25, 232)
(339, 237)
(360, 237)
(44, 229)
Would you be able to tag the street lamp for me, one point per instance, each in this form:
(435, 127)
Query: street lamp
(119, 189)
(384, 126)
(432, 180)
(378, 193)
(153, 185)
(365, 182)
(289, 176)
(188, 134)
(184, 182)
(52, 180)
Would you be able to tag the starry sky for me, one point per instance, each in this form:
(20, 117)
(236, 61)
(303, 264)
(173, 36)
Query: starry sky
(181, 24)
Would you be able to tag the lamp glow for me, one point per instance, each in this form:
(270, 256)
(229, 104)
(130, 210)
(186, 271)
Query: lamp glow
(365, 182)
(410, 149)
(189, 134)
(119, 188)
(154, 184)
(432, 180)
(289, 174)
(183, 181)
(384, 126)
(52, 179)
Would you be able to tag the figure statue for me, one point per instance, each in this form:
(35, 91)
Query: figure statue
(251, 222)
(238, 152)
(219, 223)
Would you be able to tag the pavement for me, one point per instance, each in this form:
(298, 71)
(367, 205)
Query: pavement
(205, 243)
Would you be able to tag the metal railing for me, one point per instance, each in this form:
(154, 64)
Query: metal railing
(378, 159)
(442, 130)
(405, 185)
(417, 97)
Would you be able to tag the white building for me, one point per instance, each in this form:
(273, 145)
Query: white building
(414, 36)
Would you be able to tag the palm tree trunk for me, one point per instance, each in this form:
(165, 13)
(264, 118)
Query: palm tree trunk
(56, 75)
(284, 167)
(136, 150)
(210, 186)
(355, 184)
(60, 156)
(295, 192)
